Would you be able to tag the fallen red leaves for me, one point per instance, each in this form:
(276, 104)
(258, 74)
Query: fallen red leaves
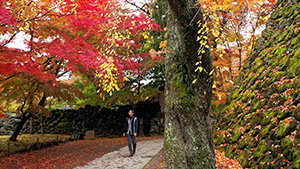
(77, 153)
(222, 162)
(67, 155)
(158, 162)
(226, 163)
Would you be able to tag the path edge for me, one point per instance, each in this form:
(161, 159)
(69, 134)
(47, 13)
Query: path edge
(148, 165)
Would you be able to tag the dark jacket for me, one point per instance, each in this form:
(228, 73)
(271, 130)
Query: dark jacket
(133, 122)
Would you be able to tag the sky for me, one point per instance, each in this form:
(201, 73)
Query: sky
(17, 42)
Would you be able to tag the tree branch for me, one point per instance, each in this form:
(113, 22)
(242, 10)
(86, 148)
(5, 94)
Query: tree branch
(10, 39)
(140, 8)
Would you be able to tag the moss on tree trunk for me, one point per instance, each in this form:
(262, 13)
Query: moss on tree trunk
(188, 135)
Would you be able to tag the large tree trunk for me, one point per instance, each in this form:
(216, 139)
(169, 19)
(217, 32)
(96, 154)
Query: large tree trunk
(188, 135)
(19, 126)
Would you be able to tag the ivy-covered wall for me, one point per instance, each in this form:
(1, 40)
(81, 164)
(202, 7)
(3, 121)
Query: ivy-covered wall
(260, 126)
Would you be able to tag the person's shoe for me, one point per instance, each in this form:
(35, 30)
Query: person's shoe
(130, 155)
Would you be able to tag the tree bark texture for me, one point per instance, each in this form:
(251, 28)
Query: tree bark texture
(25, 116)
(32, 125)
(188, 135)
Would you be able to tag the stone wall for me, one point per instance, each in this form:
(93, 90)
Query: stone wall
(261, 124)
(7, 125)
(103, 121)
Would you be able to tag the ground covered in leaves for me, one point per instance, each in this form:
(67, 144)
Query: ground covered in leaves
(77, 153)
(66, 155)
(222, 162)
(27, 142)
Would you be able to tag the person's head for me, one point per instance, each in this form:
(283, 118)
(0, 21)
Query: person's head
(130, 113)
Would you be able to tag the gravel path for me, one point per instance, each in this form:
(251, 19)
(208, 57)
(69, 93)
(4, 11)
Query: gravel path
(146, 150)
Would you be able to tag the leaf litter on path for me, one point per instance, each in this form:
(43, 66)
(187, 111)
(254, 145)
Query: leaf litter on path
(67, 155)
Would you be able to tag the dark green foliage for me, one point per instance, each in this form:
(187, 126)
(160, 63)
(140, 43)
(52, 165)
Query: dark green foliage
(261, 124)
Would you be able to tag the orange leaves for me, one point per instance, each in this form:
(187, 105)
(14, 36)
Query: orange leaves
(221, 97)
(289, 119)
(229, 34)
(41, 109)
(224, 162)
(292, 136)
(258, 127)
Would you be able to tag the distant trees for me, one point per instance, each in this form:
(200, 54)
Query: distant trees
(233, 30)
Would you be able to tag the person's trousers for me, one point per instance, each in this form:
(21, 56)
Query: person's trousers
(131, 138)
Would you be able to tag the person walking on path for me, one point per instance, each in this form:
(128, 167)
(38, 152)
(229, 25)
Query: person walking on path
(131, 130)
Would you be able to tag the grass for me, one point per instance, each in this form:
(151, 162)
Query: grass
(27, 142)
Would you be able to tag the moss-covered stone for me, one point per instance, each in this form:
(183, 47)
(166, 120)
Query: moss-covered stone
(264, 161)
(236, 136)
(261, 148)
(265, 132)
(268, 96)
(229, 152)
(285, 128)
(243, 158)
(235, 94)
(296, 113)
(296, 164)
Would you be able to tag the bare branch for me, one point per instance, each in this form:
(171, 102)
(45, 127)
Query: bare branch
(10, 39)
(138, 7)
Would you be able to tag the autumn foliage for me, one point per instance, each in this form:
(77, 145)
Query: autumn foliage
(66, 38)
(84, 33)
(71, 36)
(232, 31)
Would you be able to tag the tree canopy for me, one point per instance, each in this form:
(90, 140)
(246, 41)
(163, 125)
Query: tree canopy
(64, 38)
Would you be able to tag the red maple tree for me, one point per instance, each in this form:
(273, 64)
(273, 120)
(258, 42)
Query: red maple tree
(93, 38)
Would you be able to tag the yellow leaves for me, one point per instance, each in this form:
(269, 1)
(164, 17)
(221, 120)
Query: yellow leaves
(199, 68)
(29, 13)
(108, 80)
(194, 81)
(221, 97)
(163, 45)
(146, 35)
(133, 23)
(75, 5)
